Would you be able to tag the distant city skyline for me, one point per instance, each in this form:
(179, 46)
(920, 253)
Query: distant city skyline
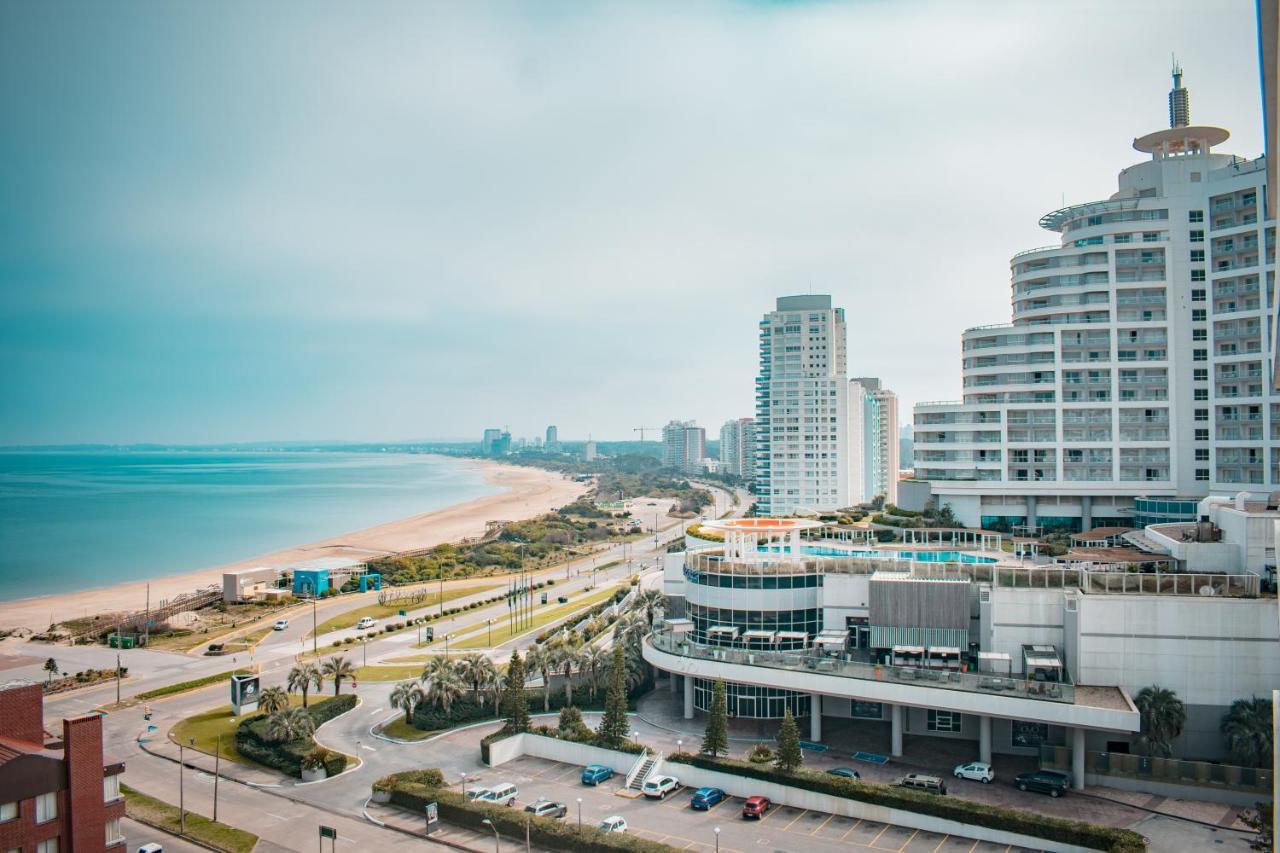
(421, 224)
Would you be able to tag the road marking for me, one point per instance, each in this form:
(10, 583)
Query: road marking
(794, 819)
(878, 834)
(818, 828)
(375, 711)
(851, 829)
(366, 746)
(910, 837)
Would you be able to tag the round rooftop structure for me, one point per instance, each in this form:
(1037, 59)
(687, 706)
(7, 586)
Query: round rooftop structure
(767, 526)
(1181, 140)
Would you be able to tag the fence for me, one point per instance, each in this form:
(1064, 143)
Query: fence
(1172, 771)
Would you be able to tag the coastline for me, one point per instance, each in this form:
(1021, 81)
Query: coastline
(526, 492)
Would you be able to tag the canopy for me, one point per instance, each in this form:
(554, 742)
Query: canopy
(758, 635)
(792, 635)
(723, 629)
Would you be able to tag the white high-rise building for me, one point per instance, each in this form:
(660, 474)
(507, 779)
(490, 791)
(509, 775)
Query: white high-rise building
(802, 408)
(684, 444)
(738, 447)
(882, 454)
(553, 438)
(1136, 369)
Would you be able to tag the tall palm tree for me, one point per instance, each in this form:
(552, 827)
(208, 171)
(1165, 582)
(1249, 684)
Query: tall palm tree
(439, 666)
(649, 600)
(406, 695)
(1163, 715)
(539, 659)
(495, 685)
(442, 688)
(303, 677)
(595, 658)
(478, 671)
(338, 668)
(272, 700)
(566, 655)
(1248, 732)
(290, 725)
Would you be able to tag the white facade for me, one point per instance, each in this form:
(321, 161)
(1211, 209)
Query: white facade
(589, 451)
(684, 446)
(879, 451)
(1137, 360)
(802, 408)
(738, 447)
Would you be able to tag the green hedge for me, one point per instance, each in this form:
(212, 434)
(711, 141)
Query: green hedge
(252, 742)
(467, 710)
(183, 686)
(1075, 832)
(549, 833)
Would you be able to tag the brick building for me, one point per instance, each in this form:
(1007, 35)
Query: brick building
(57, 795)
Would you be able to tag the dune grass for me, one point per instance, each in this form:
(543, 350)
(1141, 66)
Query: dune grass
(387, 611)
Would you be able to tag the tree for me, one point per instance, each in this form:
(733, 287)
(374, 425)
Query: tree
(1163, 715)
(715, 740)
(614, 726)
(594, 659)
(51, 667)
(338, 668)
(304, 677)
(442, 687)
(1248, 732)
(538, 658)
(439, 666)
(789, 756)
(478, 671)
(567, 655)
(650, 600)
(1260, 821)
(515, 704)
(290, 725)
(406, 695)
(272, 700)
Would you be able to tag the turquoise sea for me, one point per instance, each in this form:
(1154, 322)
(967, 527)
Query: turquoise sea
(73, 520)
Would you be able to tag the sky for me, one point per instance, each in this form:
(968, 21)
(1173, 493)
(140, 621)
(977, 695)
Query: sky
(397, 221)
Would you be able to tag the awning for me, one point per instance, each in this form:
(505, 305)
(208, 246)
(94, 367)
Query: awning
(945, 651)
(730, 630)
(1045, 663)
(993, 656)
(792, 635)
(758, 635)
(829, 641)
(678, 626)
(908, 650)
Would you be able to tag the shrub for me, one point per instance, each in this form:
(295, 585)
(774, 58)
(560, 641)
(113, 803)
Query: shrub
(760, 754)
(252, 741)
(1079, 833)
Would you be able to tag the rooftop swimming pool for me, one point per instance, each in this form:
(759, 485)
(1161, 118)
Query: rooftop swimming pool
(906, 556)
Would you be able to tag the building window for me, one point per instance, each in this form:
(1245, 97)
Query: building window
(110, 788)
(1200, 374)
(1202, 435)
(1197, 256)
(860, 710)
(1197, 275)
(114, 834)
(1199, 335)
(1028, 735)
(1202, 475)
(1202, 454)
(1197, 235)
(1200, 355)
(1202, 414)
(1197, 315)
(943, 721)
(50, 846)
(8, 811)
(1195, 216)
(1197, 295)
(1200, 394)
(46, 807)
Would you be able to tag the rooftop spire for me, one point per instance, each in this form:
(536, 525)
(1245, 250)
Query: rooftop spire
(1179, 100)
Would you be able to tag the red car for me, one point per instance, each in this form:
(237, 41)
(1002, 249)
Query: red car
(755, 807)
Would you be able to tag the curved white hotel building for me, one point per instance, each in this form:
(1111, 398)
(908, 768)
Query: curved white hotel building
(1137, 366)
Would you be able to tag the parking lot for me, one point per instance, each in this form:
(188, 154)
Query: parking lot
(673, 822)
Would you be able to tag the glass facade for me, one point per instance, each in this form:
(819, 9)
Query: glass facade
(749, 581)
(1163, 510)
(808, 622)
(748, 700)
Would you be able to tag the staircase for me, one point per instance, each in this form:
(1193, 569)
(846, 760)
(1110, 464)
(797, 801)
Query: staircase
(641, 770)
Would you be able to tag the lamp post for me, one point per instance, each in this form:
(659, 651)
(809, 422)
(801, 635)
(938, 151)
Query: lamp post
(217, 756)
(182, 800)
(364, 651)
(717, 839)
(679, 746)
(315, 649)
(497, 841)
(447, 638)
(579, 814)
(490, 621)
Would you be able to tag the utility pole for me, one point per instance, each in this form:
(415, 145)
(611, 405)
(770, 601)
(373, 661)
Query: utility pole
(216, 763)
(182, 801)
(146, 629)
(315, 630)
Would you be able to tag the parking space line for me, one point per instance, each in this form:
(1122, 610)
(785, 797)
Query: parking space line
(873, 841)
(910, 837)
(794, 819)
(943, 841)
(851, 829)
(818, 828)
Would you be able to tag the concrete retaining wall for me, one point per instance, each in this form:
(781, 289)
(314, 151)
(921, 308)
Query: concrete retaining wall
(554, 749)
(1230, 796)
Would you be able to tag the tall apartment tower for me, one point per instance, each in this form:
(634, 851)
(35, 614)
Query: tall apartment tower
(553, 438)
(885, 456)
(802, 408)
(490, 442)
(684, 445)
(1136, 369)
(738, 447)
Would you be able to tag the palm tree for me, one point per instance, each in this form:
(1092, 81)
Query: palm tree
(303, 677)
(566, 655)
(494, 684)
(1247, 729)
(594, 659)
(272, 700)
(290, 725)
(1163, 715)
(338, 668)
(478, 671)
(442, 688)
(539, 658)
(406, 695)
(649, 600)
(439, 666)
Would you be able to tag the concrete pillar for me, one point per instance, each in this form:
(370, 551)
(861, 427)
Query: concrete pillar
(688, 697)
(1086, 513)
(675, 682)
(815, 717)
(895, 728)
(1031, 511)
(984, 739)
(1077, 759)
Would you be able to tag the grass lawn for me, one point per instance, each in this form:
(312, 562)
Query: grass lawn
(206, 727)
(388, 673)
(398, 728)
(480, 638)
(384, 611)
(158, 813)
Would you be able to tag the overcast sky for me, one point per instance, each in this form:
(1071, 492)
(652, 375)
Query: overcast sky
(262, 221)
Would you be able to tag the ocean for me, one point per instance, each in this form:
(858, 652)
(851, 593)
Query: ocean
(71, 521)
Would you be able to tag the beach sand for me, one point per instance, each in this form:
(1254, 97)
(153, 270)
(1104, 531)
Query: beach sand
(526, 492)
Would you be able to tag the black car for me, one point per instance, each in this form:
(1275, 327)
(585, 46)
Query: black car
(1049, 782)
(547, 808)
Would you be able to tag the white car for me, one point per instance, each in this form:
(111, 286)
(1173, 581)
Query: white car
(977, 771)
(659, 786)
(503, 792)
(476, 793)
(614, 823)
(365, 623)
(281, 624)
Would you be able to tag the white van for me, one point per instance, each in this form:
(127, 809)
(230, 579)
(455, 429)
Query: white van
(503, 792)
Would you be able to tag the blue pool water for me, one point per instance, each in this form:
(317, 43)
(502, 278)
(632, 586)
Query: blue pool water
(918, 556)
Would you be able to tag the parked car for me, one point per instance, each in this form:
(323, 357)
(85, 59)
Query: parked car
(755, 807)
(1049, 782)
(594, 774)
(547, 808)
(281, 624)
(921, 782)
(365, 623)
(705, 798)
(614, 823)
(503, 792)
(476, 793)
(562, 599)
(659, 786)
(151, 848)
(978, 771)
(844, 772)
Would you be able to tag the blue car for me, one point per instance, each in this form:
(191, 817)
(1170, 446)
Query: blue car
(594, 774)
(705, 798)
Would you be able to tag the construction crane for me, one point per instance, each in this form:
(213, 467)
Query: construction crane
(643, 430)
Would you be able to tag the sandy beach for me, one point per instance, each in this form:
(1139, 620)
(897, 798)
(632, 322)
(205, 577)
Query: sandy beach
(526, 492)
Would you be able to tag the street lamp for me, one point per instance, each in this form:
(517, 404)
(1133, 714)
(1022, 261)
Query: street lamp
(447, 638)
(717, 839)
(314, 631)
(497, 841)
(679, 746)
(490, 621)
(579, 814)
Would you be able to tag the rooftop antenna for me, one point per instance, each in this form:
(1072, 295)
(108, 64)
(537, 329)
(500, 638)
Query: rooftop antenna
(1179, 98)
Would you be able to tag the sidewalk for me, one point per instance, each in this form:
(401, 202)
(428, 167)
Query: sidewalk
(402, 820)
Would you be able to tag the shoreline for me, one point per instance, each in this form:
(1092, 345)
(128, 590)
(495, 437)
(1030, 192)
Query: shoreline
(525, 492)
